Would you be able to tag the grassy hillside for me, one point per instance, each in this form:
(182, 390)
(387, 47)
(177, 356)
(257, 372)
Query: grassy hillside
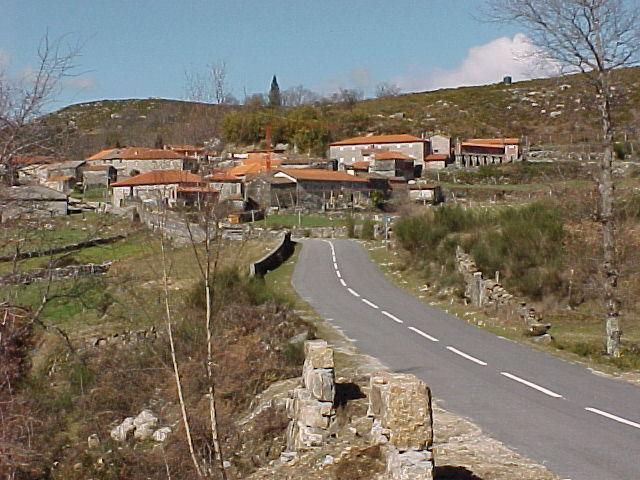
(556, 111)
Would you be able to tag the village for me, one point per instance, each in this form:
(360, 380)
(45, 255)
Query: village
(358, 173)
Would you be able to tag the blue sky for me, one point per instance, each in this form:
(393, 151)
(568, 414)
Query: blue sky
(142, 48)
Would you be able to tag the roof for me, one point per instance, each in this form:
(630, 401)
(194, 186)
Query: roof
(60, 178)
(97, 168)
(436, 157)
(390, 155)
(320, 175)
(207, 190)
(246, 169)
(222, 177)
(396, 138)
(68, 164)
(496, 146)
(135, 153)
(160, 177)
(31, 192)
(24, 160)
(364, 165)
(184, 148)
(494, 141)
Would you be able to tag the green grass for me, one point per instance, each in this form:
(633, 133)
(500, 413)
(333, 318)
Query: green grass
(304, 221)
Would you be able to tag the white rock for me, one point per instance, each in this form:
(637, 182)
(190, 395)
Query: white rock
(93, 441)
(122, 431)
(161, 434)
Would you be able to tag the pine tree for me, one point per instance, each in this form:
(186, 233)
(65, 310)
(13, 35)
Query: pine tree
(275, 100)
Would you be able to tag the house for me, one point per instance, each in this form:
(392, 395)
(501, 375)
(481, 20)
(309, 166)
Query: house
(228, 185)
(131, 161)
(31, 201)
(436, 161)
(476, 152)
(190, 151)
(350, 150)
(159, 186)
(71, 168)
(32, 168)
(60, 183)
(391, 164)
(317, 188)
(98, 176)
(438, 152)
(267, 191)
(426, 193)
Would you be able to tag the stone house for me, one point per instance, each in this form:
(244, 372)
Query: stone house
(350, 150)
(158, 186)
(436, 161)
(391, 164)
(317, 188)
(32, 201)
(477, 152)
(439, 145)
(268, 191)
(72, 168)
(426, 193)
(98, 176)
(60, 183)
(131, 161)
(228, 185)
(32, 168)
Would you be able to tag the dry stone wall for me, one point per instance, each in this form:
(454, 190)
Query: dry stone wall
(310, 407)
(400, 406)
(72, 271)
(487, 293)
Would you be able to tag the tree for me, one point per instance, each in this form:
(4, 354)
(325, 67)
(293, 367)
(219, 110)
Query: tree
(386, 89)
(594, 37)
(275, 99)
(297, 96)
(210, 86)
(348, 96)
(24, 100)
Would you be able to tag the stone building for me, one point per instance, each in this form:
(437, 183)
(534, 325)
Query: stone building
(72, 168)
(269, 191)
(159, 186)
(316, 188)
(60, 183)
(391, 164)
(477, 152)
(346, 152)
(98, 176)
(31, 201)
(131, 161)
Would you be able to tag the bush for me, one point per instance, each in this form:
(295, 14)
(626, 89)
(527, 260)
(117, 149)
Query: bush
(368, 230)
(350, 223)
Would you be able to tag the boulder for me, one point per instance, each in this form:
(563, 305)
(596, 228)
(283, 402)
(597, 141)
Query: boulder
(318, 354)
(161, 434)
(145, 423)
(411, 465)
(122, 431)
(93, 441)
(320, 383)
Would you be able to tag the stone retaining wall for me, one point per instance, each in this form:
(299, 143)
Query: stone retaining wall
(275, 258)
(400, 406)
(487, 293)
(72, 271)
(310, 407)
(66, 248)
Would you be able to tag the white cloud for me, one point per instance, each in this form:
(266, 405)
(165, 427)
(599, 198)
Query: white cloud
(82, 82)
(359, 77)
(484, 64)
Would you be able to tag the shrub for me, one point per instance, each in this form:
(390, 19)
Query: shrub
(350, 223)
(368, 230)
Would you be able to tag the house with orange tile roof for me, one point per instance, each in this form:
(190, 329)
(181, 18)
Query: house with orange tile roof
(131, 161)
(351, 150)
(477, 152)
(390, 163)
(162, 187)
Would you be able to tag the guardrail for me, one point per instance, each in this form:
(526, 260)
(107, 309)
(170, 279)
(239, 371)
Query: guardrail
(275, 258)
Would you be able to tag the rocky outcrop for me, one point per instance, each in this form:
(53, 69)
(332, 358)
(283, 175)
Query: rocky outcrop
(143, 427)
(488, 293)
(310, 407)
(400, 406)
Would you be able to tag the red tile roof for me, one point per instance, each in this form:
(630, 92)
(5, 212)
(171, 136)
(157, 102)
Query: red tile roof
(24, 160)
(320, 175)
(436, 157)
(390, 155)
(396, 138)
(494, 141)
(364, 165)
(160, 177)
(135, 153)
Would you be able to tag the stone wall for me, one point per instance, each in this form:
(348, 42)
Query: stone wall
(66, 248)
(275, 258)
(489, 294)
(72, 271)
(311, 406)
(400, 406)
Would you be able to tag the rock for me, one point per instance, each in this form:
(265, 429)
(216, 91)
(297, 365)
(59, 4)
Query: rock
(537, 329)
(93, 441)
(300, 338)
(146, 417)
(320, 383)
(122, 431)
(318, 354)
(411, 465)
(161, 434)
(328, 460)
(308, 410)
(545, 339)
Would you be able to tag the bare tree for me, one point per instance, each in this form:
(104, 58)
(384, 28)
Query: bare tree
(594, 37)
(23, 101)
(210, 86)
(298, 95)
(386, 89)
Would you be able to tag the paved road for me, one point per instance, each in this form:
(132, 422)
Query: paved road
(580, 425)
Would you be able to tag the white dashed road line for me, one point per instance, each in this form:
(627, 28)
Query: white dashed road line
(335, 265)
(613, 417)
(467, 356)
(392, 317)
(338, 274)
(344, 284)
(423, 334)
(353, 292)
(546, 391)
(371, 304)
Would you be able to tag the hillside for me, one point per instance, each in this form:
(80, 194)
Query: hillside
(555, 111)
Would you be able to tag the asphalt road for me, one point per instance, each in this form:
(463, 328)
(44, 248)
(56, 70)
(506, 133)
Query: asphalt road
(581, 425)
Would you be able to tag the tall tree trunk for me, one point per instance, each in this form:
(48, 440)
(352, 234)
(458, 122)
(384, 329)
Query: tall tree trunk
(607, 193)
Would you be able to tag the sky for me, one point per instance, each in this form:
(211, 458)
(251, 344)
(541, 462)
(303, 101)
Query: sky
(142, 48)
